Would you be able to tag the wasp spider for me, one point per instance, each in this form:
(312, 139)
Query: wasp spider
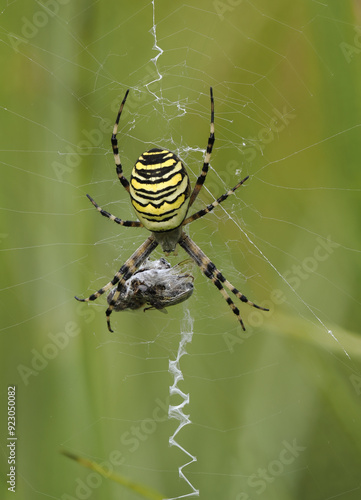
(161, 195)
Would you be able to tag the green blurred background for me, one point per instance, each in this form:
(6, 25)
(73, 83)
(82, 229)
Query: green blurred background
(276, 410)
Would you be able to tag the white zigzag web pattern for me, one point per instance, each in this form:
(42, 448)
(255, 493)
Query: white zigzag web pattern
(176, 411)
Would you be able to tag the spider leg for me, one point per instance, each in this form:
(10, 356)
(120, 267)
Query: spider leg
(210, 270)
(130, 267)
(119, 168)
(202, 177)
(210, 207)
(124, 273)
(128, 223)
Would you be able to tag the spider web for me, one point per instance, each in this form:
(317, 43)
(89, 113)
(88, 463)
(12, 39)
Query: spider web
(265, 407)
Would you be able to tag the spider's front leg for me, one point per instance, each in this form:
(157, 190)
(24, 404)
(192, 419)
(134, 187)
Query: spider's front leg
(125, 272)
(123, 180)
(207, 158)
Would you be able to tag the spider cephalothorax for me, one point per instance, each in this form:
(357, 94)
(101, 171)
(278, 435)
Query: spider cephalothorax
(161, 195)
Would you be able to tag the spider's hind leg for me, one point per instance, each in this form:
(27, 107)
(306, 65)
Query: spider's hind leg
(125, 272)
(210, 270)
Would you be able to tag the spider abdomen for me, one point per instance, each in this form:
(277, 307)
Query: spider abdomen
(160, 190)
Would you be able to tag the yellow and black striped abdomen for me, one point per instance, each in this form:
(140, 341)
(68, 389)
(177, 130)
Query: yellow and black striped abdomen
(160, 190)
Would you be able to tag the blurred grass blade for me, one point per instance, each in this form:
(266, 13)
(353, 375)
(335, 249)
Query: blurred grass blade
(144, 491)
(336, 340)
